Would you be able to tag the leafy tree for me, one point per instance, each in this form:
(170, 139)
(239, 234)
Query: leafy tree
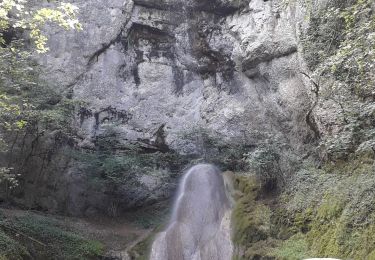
(18, 75)
(14, 14)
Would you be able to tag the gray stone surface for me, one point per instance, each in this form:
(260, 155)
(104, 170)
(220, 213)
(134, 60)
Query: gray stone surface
(230, 67)
(234, 73)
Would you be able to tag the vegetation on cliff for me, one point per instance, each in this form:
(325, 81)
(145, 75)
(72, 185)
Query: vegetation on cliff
(27, 105)
(339, 43)
(339, 49)
(319, 214)
(326, 207)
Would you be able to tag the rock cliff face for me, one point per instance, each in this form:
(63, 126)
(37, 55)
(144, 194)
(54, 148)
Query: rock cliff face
(228, 66)
(154, 73)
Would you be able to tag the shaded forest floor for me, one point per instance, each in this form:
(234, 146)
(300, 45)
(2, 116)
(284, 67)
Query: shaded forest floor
(37, 235)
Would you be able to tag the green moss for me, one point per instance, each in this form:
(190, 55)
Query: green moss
(356, 165)
(324, 234)
(295, 248)
(250, 223)
(323, 241)
(251, 218)
(281, 226)
(263, 248)
(363, 243)
(244, 223)
(331, 232)
(302, 220)
(338, 224)
(247, 185)
(371, 255)
(330, 209)
(327, 220)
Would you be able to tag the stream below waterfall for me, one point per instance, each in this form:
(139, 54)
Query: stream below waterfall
(199, 228)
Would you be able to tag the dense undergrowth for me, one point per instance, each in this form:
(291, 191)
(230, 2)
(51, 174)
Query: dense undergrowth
(122, 167)
(37, 237)
(321, 213)
(338, 46)
(326, 208)
(340, 43)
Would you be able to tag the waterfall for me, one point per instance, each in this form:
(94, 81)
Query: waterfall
(200, 225)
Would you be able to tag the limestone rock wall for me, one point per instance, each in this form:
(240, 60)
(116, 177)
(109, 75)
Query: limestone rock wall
(141, 68)
(229, 66)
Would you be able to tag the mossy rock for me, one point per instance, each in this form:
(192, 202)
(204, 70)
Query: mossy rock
(251, 218)
(262, 250)
(302, 221)
(295, 248)
(356, 164)
(248, 185)
(331, 232)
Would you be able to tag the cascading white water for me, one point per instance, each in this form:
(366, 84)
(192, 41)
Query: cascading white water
(200, 225)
